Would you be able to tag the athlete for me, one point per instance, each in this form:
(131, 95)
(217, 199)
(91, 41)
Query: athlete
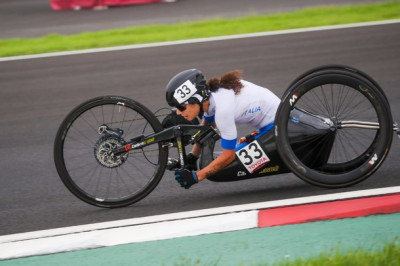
(225, 102)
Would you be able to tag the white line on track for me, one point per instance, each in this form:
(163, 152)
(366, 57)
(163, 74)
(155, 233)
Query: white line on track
(157, 227)
(200, 40)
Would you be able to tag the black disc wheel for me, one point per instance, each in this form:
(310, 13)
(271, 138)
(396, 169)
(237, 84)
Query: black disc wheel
(334, 127)
(85, 163)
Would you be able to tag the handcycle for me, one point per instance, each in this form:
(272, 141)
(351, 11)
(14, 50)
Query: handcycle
(333, 129)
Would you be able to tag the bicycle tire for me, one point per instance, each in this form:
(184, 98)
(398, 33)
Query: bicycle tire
(80, 152)
(355, 153)
(343, 68)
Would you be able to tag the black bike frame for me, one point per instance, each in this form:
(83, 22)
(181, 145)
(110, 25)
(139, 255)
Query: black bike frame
(181, 135)
(310, 131)
(177, 136)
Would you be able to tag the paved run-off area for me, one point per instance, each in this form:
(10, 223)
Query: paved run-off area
(245, 247)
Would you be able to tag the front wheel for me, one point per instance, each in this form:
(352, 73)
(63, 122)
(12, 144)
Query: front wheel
(334, 127)
(88, 168)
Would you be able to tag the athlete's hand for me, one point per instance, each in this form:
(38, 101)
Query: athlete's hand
(186, 178)
(191, 160)
(191, 163)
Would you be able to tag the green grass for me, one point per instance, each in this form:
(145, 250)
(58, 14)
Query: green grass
(216, 27)
(388, 255)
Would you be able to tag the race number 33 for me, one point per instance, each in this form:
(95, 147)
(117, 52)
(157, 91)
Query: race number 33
(184, 92)
(252, 156)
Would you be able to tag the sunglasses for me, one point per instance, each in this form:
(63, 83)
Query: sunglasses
(181, 107)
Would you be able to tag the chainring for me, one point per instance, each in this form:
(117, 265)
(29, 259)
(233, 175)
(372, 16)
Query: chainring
(103, 151)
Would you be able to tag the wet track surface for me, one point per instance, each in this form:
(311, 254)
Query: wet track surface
(37, 94)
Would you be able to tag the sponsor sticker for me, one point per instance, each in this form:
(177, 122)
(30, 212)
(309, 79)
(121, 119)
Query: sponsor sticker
(269, 170)
(373, 160)
(241, 173)
(293, 99)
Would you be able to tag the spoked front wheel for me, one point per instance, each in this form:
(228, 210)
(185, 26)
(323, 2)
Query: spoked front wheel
(334, 127)
(85, 163)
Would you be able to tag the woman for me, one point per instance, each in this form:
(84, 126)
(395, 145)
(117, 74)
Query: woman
(225, 101)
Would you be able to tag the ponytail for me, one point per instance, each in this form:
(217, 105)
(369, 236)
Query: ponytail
(229, 80)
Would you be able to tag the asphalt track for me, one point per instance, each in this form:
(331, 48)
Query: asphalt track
(36, 95)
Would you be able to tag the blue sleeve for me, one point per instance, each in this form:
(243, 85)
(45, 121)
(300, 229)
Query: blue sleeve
(209, 119)
(228, 144)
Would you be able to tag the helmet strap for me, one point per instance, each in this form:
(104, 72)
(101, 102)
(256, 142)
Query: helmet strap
(198, 97)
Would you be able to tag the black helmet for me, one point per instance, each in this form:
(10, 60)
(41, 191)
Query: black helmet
(188, 86)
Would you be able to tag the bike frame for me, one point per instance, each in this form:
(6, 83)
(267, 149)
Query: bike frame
(177, 136)
(180, 136)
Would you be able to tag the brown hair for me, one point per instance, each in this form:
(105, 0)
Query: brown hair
(229, 80)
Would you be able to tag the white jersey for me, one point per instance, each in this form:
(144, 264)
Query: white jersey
(254, 105)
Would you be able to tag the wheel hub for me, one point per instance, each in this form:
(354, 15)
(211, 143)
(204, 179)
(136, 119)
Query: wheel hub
(103, 151)
(334, 123)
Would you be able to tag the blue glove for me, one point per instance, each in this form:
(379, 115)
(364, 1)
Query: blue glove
(186, 178)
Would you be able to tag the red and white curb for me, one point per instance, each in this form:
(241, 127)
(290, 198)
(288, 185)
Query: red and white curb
(329, 210)
(207, 221)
